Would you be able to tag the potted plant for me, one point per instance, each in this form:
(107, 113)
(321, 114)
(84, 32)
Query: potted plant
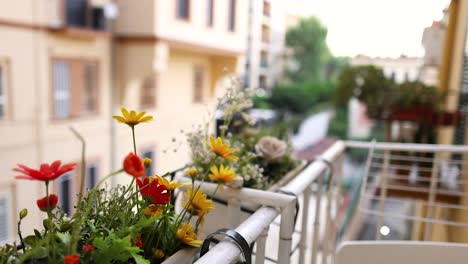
(134, 223)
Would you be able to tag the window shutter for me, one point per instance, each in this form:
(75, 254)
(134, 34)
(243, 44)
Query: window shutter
(198, 79)
(148, 92)
(61, 72)
(90, 98)
(2, 92)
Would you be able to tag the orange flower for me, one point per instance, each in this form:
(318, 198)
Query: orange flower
(222, 175)
(45, 173)
(192, 172)
(71, 259)
(42, 203)
(222, 149)
(186, 234)
(133, 165)
(153, 191)
(138, 243)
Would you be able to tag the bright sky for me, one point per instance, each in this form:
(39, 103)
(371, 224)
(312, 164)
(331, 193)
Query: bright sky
(374, 27)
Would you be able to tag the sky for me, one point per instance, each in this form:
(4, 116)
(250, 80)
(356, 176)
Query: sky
(386, 28)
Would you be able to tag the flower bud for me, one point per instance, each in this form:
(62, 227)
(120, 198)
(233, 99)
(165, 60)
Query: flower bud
(23, 213)
(47, 223)
(147, 162)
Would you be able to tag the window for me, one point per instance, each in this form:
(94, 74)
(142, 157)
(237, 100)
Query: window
(210, 14)
(2, 92)
(90, 91)
(75, 88)
(148, 92)
(4, 235)
(263, 58)
(262, 81)
(266, 8)
(198, 76)
(65, 188)
(91, 175)
(265, 34)
(183, 9)
(232, 15)
(150, 155)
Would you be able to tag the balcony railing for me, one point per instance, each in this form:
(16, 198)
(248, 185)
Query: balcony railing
(320, 197)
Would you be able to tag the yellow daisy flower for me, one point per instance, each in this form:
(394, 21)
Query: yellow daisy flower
(186, 234)
(132, 118)
(222, 149)
(222, 175)
(170, 185)
(153, 210)
(200, 204)
(158, 253)
(192, 172)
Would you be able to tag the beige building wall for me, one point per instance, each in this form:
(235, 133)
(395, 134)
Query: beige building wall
(31, 133)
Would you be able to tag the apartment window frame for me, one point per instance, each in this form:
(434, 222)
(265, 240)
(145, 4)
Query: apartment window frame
(68, 176)
(149, 149)
(198, 83)
(4, 90)
(92, 164)
(210, 13)
(232, 13)
(6, 215)
(149, 91)
(75, 94)
(178, 14)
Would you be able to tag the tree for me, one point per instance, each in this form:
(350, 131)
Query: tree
(307, 41)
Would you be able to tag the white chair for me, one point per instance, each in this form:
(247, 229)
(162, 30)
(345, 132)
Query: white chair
(401, 252)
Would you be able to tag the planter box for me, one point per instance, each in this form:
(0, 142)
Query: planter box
(424, 115)
(183, 256)
(217, 218)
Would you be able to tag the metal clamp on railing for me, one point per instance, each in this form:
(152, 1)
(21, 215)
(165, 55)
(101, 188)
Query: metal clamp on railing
(238, 239)
(329, 168)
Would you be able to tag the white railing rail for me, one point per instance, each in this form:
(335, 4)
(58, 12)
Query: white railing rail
(256, 226)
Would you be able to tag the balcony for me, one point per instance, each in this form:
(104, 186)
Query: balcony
(382, 198)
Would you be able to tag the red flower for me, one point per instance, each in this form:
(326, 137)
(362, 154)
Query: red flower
(133, 165)
(45, 173)
(155, 192)
(139, 243)
(88, 248)
(71, 259)
(42, 203)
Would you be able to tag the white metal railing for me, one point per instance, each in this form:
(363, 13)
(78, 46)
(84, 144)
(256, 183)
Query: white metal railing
(383, 182)
(255, 228)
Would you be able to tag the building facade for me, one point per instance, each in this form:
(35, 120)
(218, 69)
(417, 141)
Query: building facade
(72, 63)
(265, 43)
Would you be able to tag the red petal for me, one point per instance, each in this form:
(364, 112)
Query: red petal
(55, 165)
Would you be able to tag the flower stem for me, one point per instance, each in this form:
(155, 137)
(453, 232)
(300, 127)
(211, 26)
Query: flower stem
(21, 236)
(134, 141)
(49, 213)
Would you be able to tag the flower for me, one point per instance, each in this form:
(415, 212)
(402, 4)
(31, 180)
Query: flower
(153, 210)
(133, 165)
(222, 175)
(170, 185)
(88, 248)
(222, 149)
(133, 118)
(46, 172)
(138, 242)
(158, 253)
(200, 205)
(71, 259)
(270, 148)
(42, 203)
(153, 191)
(192, 172)
(186, 234)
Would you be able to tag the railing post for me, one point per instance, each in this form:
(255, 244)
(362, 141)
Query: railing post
(338, 200)
(304, 225)
(316, 232)
(432, 196)
(261, 243)
(285, 234)
(328, 219)
(234, 211)
(383, 194)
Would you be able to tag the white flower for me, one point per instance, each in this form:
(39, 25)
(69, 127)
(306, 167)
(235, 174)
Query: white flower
(271, 148)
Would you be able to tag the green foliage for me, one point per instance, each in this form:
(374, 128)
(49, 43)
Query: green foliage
(339, 123)
(114, 249)
(261, 102)
(307, 41)
(301, 98)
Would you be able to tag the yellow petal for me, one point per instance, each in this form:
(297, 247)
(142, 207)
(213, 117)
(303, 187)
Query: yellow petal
(133, 115)
(124, 112)
(146, 119)
(140, 115)
(119, 119)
